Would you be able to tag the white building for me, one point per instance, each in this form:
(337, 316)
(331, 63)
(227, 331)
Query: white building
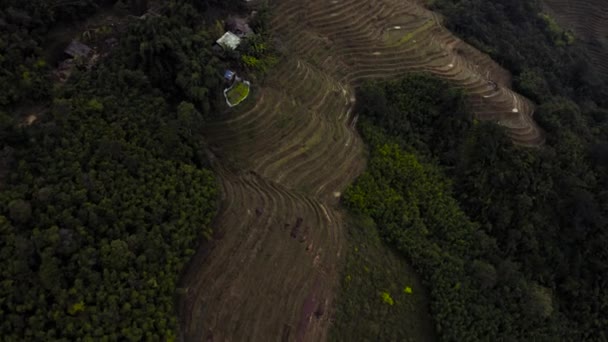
(229, 40)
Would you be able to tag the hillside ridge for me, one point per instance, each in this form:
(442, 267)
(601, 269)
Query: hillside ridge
(274, 263)
(589, 21)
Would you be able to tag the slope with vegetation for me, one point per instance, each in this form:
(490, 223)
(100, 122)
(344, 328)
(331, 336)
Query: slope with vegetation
(496, 249)
(105, 196)
(546, 64)
(381, 298)
(297, 137)
(588, 20)
(556, 223)
(400, 37)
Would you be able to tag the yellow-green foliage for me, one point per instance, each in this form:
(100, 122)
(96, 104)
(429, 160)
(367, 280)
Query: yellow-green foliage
(360, 316)
(569, 37)
(412, 34)
(259, 47)
(251, 61)
(26, 76)
(386, 297)
(410, 202)
(40, 63)
(218, 29)
(238, 93)
(560, 36)
(259, 55)
(76, 308)
(262, 64)
(95, 105)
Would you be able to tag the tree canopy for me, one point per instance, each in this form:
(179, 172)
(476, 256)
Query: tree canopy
(507, 239)
(108, 193)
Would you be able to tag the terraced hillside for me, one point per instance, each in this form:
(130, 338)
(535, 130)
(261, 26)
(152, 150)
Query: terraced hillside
(384, 39)
(589, 21)
(271, 273)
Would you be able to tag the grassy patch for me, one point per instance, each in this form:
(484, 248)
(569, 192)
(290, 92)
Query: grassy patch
(380, 298)
(237, 93)
(410, 35)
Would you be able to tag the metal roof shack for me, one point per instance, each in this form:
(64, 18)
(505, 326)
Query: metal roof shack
(229, 41)
(64, 70)
(239, 26)
(77, 49)
(229, 75)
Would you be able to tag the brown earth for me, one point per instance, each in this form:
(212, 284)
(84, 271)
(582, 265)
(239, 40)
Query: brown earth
(272, 273)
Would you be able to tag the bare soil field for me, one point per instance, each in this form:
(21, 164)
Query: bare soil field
(271, 273)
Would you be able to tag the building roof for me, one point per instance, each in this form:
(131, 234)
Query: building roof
(239, 26)
(77, 49)
(229, 40)
(229, 74)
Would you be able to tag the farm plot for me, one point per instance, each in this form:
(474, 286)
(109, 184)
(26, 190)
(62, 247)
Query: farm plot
(272, 271)
(386, 39)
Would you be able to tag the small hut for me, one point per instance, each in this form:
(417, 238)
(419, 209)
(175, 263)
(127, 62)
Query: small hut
(238, 26)
(229, 75)
(77, 49)
(64, 70)
(229, 41)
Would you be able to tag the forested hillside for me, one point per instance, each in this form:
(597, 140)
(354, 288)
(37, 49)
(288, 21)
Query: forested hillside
(530, 44)
(541, 213)
(106, 189)
(588, 21)
(559, 232)
(106, 195)
(508, 240)
(23, 26)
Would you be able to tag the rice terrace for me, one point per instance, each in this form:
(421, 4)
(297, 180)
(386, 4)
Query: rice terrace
(321, 170)
(296, 150)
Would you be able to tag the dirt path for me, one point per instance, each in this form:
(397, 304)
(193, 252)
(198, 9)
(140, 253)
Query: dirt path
(271, 274)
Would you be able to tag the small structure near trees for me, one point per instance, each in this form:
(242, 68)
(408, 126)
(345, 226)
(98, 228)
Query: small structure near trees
(64, 70)
(229, 41)
(78, 54)
(78, 50)
(236, 29)
(238, 26)
(229, 75)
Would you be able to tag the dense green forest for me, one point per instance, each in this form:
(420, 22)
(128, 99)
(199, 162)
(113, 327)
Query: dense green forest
(527, 42)
(549, 207)
(106, 196)
(23, 26)
(508, 240)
